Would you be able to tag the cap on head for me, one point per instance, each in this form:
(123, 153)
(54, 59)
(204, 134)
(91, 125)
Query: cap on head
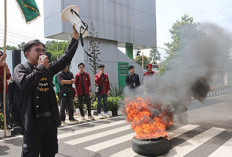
(149, 66)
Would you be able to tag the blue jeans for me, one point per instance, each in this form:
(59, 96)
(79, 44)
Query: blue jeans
(99, 98)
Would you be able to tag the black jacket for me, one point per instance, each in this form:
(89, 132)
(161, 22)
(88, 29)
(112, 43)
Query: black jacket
(132, 81)
(66, 88)
(28, 83)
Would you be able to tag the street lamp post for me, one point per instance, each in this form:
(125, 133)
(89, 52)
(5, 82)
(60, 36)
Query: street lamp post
(142, 60)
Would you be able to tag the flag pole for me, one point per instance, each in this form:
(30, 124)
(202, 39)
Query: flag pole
(4, 76)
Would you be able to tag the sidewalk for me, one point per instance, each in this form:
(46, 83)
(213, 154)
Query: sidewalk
(78, 117)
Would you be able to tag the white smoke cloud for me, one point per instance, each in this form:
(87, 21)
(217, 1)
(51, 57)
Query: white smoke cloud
(204, 49)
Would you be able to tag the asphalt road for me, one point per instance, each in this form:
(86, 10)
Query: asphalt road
(208, 132)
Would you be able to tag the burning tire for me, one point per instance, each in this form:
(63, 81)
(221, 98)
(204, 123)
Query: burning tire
(150, 147)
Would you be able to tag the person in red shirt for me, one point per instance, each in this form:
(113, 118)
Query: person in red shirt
(8, 76)
(149, 71)
(103, 85)
(83, 90)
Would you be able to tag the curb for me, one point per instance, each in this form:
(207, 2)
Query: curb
(10, 132)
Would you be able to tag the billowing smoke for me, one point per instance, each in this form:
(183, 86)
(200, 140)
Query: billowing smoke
(204, 49)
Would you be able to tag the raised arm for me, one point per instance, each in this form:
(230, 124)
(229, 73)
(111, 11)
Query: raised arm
(66, 59)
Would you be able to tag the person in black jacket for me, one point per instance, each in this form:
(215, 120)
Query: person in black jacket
(132, 80)
(66, 79)
(39, 106)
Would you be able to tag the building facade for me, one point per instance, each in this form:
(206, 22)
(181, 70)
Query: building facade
(119, 23)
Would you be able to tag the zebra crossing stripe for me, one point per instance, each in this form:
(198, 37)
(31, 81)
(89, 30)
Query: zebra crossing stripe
(174, 133)
(110, 143)
(78, 132)
(125, 153)
(211, 145)
(194, 142)
(181, 130)
(224, 150)
(98, 135)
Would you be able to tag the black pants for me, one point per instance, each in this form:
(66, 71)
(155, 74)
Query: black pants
(87, 100)
(66, 103)
(43, 141)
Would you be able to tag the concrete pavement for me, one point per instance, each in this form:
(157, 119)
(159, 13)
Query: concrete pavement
(208, 133)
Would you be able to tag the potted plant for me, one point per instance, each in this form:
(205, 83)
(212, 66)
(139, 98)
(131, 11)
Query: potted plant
(112, 104)
(118, 95)
(115, 107)
(94, 107)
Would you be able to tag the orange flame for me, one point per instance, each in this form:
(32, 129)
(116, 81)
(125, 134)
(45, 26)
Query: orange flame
(145, 122)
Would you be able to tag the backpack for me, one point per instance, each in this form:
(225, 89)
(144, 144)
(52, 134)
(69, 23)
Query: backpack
(15, 98)
(56, 83)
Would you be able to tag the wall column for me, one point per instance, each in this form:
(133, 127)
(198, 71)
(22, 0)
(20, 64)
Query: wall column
(129, 51)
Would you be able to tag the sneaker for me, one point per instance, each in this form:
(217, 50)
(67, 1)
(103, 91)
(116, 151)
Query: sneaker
(63, 123)
(100, 116)
(73, 120)
(9, 127)
(107, 115)
(83, 118)
(91, 118)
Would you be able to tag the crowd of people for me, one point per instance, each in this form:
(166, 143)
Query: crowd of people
(40, 82)
(64, 82)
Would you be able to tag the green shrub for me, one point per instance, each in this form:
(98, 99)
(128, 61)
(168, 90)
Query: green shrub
(94, 106)
(116, 92)
(92, 101)
(112, 103)
(1, 121)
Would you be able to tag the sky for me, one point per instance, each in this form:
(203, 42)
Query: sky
(18, 30)
(167, 12)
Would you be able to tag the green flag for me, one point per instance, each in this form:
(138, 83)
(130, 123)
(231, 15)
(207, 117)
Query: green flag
(29, 9)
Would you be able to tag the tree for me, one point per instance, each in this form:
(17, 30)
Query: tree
(163, 65)
(175, 33)
(138, 59)
(56, 48)
(93, 49)
(154, 55)
(20, 46)
(8, 47)
(174, 45)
